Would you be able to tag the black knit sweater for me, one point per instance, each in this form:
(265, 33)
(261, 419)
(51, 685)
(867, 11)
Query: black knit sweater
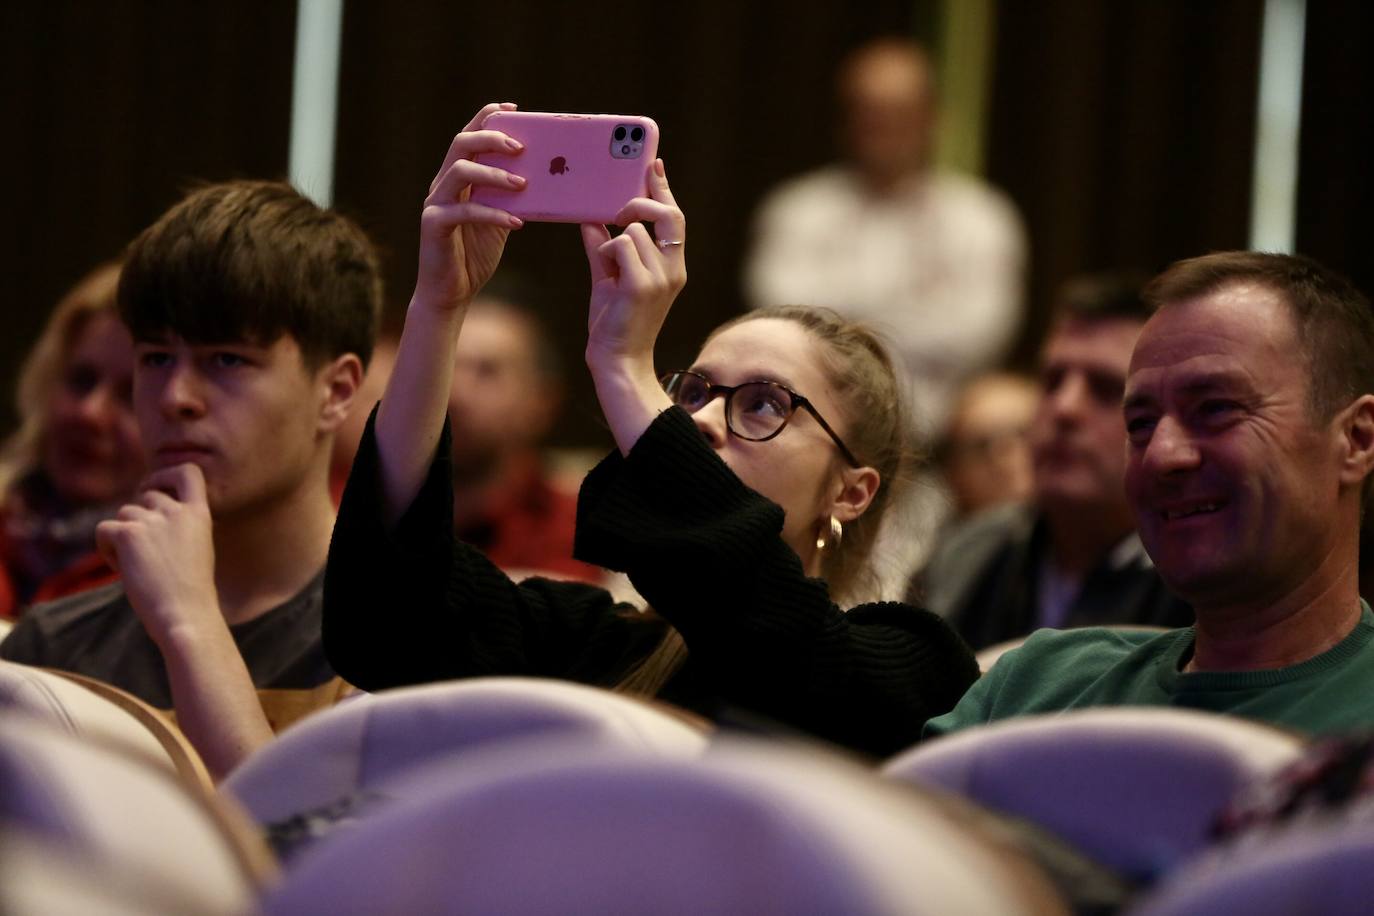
(413, 605)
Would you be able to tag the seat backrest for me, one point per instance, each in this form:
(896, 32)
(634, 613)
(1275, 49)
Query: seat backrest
(39, 877)
(369, 742)
(745, 829)
(126, 813)
(175, 745)
(1314, 868)
(1135, 788)
(74, 709)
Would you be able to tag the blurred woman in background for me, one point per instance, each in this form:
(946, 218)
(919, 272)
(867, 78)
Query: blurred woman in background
(75, 457)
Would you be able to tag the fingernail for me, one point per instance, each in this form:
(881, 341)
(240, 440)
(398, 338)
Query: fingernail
(658, 168)
(514, 144)
(516, 222)
(516, 180)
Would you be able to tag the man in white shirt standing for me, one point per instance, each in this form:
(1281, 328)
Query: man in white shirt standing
(935, 260)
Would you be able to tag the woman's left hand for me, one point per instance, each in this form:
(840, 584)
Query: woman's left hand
(635, 279)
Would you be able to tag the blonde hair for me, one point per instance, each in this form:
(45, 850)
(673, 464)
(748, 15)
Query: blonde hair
(42, 370)
(876, 426)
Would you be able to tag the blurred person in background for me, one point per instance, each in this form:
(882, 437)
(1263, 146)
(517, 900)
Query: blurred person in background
(506, 394)
(1072, 557)
(985, 455)
(75, 456)
(933, 259)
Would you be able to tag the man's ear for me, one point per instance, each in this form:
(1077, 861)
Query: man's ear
(854, 493)
(339, 381)
(1356, 427)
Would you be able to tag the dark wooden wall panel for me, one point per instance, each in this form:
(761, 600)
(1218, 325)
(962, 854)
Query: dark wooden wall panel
(1336, 159)
(109, 111)
(1125, 131)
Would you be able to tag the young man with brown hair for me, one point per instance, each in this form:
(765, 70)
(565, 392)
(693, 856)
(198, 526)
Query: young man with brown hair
(253, 313)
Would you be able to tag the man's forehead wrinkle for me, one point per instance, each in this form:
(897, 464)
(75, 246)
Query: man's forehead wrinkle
(1181, 338)
(1195, 373)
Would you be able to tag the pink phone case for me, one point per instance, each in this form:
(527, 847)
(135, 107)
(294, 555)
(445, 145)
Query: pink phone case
(578, 168)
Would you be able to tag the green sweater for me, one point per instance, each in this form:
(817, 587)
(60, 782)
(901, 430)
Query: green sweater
(1055, 670)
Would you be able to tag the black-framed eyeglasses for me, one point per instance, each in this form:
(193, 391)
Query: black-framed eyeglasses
(755, 411)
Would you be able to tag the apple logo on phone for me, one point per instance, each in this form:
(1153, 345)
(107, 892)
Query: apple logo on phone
(558, 165)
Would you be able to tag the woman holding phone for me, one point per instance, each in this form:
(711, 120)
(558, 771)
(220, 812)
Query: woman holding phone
(738, 486)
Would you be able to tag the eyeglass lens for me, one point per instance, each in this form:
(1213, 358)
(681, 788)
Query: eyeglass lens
(756, 410)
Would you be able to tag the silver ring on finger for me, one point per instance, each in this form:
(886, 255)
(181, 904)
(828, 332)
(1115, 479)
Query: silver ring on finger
(665, 244)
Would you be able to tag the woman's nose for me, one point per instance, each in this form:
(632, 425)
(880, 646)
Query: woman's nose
(710, 419)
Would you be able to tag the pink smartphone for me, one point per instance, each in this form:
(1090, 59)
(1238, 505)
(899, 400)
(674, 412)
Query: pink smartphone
(578, 168)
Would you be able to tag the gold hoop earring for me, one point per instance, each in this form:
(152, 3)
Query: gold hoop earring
(836, 534)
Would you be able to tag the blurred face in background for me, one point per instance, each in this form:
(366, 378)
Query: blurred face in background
(887, 97)
(91, 451)
(987, 453)
(1078, 438)
(500, 402)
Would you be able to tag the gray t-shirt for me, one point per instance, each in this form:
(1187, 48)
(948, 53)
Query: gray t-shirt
(97, 634)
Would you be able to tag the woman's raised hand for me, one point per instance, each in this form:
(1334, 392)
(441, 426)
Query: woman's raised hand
(460, 241)
(460, 245)
(635, 278)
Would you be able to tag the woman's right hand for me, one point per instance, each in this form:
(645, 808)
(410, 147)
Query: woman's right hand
(460, 245)
(461, 242)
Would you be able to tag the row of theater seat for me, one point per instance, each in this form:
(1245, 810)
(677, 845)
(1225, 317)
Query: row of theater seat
(523, 796)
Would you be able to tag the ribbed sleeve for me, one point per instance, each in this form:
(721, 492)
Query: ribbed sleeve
(414, 605)
(707, 553)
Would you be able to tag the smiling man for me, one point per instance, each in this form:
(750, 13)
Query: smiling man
(253, 313)
(1250, 420)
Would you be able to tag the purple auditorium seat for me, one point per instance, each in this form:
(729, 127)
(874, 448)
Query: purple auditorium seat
(114, 811)
(366, 745)
(747, 828)
(1316, 868)
(1134, 788)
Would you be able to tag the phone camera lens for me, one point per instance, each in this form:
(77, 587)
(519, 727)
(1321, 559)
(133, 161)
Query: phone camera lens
(637, 134)
(620, 133)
